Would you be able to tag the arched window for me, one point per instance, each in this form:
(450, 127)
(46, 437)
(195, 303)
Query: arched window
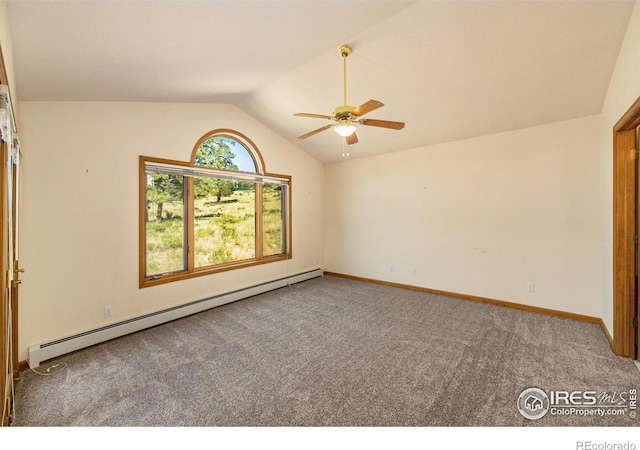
(226, 149)
(220, 211)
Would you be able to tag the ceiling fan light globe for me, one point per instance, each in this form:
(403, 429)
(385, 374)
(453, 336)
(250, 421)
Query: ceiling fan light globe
(345, 129)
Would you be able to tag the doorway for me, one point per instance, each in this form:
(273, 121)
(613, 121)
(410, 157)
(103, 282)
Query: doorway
(626, 212)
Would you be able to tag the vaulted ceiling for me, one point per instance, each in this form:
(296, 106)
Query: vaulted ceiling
(449, 69)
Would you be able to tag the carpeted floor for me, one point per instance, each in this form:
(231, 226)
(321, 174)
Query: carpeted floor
(331, 352)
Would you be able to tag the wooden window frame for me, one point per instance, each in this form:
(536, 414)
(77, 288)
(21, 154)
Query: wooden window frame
(190, 270)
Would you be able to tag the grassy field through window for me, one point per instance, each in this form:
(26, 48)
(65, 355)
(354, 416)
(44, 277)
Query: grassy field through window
(224, 231)
(272, 217)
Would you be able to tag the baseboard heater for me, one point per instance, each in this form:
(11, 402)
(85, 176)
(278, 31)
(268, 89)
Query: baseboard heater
(62, 346)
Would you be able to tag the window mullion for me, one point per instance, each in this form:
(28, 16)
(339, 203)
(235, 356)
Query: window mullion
(259, 222)
(190, 222)
(284, 214)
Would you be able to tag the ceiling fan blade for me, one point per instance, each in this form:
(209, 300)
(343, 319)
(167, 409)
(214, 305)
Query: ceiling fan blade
(383, 124)
(317, 116)
(311, 133)
(352, 139)
(367, 107)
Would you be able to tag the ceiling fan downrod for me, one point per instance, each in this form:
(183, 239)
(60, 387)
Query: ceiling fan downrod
(345, 51)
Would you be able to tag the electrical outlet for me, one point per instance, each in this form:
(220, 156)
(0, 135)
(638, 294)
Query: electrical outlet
(108, 311)
(531, 287)
(413, 271)
(392, 269)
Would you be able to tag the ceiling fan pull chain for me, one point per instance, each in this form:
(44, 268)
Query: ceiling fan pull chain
(345, 153)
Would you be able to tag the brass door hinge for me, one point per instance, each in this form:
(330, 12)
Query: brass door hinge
(17, 271)
(634, 153)
(634, 322)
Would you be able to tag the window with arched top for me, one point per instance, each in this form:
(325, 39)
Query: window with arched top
(226, 149)
(219, 211)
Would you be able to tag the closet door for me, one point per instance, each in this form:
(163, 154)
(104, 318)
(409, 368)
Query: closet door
(14, 170)
(6, 375)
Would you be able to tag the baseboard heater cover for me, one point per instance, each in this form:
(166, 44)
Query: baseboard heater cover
(62, 346)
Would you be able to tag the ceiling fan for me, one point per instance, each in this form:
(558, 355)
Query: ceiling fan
(348, 117)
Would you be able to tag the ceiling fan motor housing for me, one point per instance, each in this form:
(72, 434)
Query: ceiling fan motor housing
(343, 112)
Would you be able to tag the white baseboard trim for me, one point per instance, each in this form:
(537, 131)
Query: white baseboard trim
(68, 344)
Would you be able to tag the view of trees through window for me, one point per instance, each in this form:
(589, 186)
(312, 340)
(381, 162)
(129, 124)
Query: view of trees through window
(213, 215)
(165, 223)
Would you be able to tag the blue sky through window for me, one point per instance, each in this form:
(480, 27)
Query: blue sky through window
(243, 158)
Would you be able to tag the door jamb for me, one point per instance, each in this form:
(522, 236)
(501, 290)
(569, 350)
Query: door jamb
(624, 231)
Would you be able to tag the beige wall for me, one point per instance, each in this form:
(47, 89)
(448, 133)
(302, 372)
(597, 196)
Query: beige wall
(80, 213)
(487, 215)
(624, 89)
(482, 217)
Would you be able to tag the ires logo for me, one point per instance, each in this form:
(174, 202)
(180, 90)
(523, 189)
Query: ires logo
(534, 403)
(573, 398)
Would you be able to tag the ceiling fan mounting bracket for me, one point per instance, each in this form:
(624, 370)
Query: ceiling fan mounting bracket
(345, 50)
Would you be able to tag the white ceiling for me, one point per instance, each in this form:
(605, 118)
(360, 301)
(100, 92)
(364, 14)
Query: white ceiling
(449, 69)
